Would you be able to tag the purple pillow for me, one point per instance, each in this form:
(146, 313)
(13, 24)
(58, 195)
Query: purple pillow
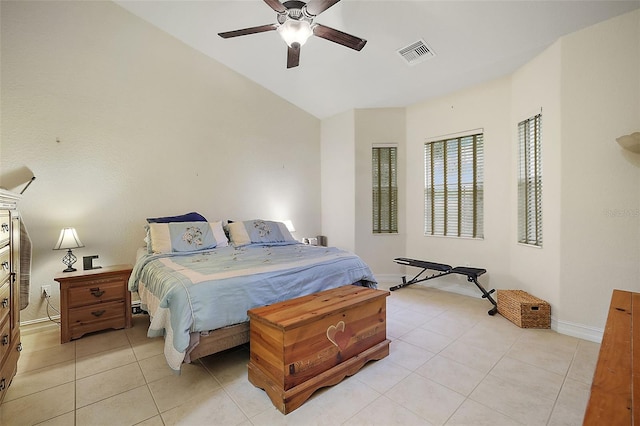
(187, 217)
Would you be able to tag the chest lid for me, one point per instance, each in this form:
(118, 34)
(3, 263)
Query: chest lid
(306, 309)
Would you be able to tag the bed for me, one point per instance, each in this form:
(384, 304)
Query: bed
(197, 284)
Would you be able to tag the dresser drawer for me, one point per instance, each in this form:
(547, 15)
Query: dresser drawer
(97, 292)
(5, 338)
(8, 369)
(5, 300)
(4, 227)
(5, 253)
(96, 317)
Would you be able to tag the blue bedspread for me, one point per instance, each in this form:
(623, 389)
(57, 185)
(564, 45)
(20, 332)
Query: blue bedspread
(210, 289)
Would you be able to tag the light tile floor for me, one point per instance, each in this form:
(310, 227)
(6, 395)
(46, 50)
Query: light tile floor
(449, 364)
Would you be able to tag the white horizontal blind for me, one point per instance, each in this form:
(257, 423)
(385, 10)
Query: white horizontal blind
(454, 187)
(385, 190)
(530, 182)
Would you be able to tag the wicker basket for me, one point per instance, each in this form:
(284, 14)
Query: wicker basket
(523, 309)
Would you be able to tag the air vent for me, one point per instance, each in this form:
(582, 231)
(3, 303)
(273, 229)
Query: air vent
(416, 52)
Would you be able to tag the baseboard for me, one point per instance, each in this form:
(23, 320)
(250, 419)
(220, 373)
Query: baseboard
(391, 279)
(38, 325)
(580, 331)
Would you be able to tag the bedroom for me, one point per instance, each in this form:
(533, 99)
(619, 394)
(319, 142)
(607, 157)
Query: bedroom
(115, 110)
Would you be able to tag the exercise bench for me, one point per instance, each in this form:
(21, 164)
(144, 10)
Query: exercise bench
(441, 270)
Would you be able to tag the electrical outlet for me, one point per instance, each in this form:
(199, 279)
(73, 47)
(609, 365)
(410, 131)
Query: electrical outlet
(45, 291)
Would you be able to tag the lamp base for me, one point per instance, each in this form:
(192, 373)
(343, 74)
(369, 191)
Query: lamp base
(69, 259)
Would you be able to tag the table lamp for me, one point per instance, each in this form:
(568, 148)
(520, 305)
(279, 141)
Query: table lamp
(68, 240)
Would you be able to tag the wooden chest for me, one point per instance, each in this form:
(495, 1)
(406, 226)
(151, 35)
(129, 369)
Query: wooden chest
(303, 344)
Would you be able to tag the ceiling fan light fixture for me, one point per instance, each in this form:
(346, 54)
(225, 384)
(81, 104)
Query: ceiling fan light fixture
(294, 31)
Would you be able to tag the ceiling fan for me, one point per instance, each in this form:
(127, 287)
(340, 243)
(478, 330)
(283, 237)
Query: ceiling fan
(295, 25)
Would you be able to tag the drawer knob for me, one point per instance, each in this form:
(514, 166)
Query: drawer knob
(96, 291)
(5, 340)
(5, 265)
(5, 227)
(19, 347)
(5, 302)
(98, 313)
(3, 384)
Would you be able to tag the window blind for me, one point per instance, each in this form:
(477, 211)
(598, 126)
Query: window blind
(385, 190)
(454, 187)
(530, 182)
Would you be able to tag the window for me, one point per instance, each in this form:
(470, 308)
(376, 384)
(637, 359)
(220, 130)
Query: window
(530, 182)
(385, 190)
(453, 187)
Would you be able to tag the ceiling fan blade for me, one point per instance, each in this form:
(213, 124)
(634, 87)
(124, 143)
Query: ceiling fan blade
(339, 37)
(293, 56)
(276, 5)
(316, 7)
(247, 31)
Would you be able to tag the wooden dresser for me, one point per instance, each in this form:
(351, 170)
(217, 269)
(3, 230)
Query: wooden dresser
(94, 300)
(615, 390)
(10, 346)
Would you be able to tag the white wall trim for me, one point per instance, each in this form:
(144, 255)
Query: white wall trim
(580, 331)
(391, 279)
(38, 325)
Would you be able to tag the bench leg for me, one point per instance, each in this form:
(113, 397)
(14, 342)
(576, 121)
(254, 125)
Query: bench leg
(485, 295)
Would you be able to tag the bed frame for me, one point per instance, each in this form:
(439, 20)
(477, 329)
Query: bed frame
(221, 339)
(216, 340)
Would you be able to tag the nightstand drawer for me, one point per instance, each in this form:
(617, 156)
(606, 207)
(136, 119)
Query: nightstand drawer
(5, 300)
(97, 292)
(97, 317)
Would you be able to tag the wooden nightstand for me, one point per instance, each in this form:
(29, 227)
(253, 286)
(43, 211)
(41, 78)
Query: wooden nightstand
(94, 300)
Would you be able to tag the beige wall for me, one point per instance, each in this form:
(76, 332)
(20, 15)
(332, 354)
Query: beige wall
(587, 88)
(600, 197)
(338, 180)
(484, 107)
(347, 139)
(119, 121)
(378, 126)
(535, 88)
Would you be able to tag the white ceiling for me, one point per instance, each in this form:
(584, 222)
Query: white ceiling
(474, 41)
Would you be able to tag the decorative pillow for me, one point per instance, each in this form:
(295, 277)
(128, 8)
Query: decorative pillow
(187, 217)
(218, 232)
(186, 236)
(259, 232)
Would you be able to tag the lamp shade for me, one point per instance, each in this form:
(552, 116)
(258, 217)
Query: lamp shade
(68, 240)
(294, 31)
